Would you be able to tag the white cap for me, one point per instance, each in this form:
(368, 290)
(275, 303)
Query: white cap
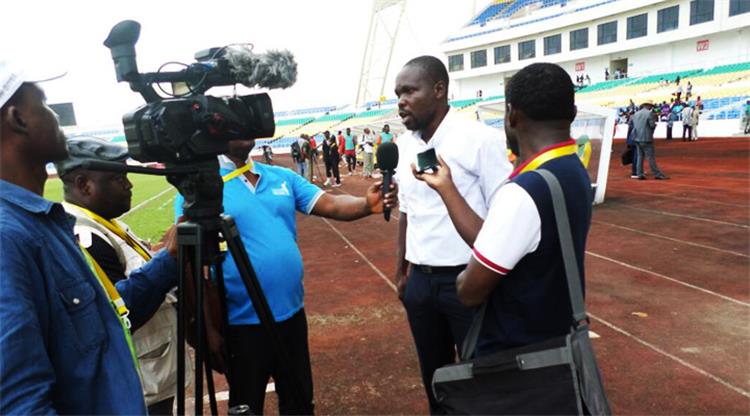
(12, 76)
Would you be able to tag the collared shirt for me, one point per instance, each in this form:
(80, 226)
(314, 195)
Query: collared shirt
(265, 215)
(477, 157)
(62, 349)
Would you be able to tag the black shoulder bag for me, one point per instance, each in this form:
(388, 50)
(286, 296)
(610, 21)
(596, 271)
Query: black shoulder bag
(556, 376)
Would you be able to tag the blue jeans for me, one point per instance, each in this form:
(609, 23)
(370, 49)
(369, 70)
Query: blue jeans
(301, 168)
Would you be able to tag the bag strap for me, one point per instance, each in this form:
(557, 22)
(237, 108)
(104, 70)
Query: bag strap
(569, 259)
(566, 244)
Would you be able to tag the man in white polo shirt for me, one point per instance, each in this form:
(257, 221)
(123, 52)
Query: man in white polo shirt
(432, 250)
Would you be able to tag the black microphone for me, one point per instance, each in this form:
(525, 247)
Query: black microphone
(273, 69)
(387, 161)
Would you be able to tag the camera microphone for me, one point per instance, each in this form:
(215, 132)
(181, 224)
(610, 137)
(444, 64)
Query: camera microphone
(273, 69)
(387, 161)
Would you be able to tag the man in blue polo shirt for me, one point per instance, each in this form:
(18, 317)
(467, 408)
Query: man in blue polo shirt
(517, 265)
(264, 200)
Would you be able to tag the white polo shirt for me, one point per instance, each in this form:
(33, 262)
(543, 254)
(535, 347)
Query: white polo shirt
(476, 154)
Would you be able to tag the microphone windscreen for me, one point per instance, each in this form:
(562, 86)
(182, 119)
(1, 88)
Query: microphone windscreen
(387, 156)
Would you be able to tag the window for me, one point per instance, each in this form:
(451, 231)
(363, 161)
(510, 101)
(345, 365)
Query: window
(667, 19)
(579, 39)
(526, 49)
(479, 58)
(637, 26)
(456, 63)
(738, 7)
(552, 44)
(606, 33)
(701, 11)
(502, 54)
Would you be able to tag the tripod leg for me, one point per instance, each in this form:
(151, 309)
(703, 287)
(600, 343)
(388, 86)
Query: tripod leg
(255, 292)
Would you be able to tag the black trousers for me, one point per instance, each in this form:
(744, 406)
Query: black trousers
(162, 408)
(253, 360)
(332, 166)
(669, 132)
(438, 321)
(687, 130)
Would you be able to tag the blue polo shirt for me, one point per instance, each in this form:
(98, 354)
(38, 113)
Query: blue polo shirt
(266, 219)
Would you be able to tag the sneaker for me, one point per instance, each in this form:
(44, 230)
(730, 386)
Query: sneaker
(350, 173)
(327, 182)
(634, 176)
(661, 177)
(336, 185)
(642, 178)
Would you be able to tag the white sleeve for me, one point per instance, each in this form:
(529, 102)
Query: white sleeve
(494, 166)
(512, 230)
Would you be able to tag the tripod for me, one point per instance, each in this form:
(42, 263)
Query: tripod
(198, 241)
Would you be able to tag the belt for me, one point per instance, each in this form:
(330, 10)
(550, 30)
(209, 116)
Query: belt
(439, 269)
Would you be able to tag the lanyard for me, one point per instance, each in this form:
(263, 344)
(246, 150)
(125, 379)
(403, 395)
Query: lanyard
(552, 152)
(117, 229)
(118, 305)
(237, 172)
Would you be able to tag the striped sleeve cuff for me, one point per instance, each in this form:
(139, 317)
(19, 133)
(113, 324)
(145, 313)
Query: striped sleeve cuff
(488, 264)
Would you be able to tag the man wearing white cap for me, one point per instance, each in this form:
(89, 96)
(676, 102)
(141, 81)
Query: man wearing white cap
(65, 344)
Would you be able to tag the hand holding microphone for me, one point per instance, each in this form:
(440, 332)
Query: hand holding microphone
(387, 161)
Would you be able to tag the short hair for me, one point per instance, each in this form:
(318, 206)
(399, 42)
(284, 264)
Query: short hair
(543, 91)
(432, 66)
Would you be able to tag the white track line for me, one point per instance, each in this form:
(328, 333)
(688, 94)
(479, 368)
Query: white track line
(734, 253)
(673, 357)
(361, 255)
(602, 321)
(684, 198)
(146, 202)
(671, 214)
(671, 279)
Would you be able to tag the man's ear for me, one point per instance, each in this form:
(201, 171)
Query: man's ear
(512, 114)
(441, 89)
(82, 184)
(15, 120)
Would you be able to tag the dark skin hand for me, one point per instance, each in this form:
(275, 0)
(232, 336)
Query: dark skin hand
(475, 283)
(348, 207)
(466, 221)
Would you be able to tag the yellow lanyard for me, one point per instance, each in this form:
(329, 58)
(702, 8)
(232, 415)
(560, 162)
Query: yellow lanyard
(237, 172)
(552, 152)
(115, 300)
(115, 228)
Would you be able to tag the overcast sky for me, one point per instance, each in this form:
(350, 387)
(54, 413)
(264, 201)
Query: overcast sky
(327, 38)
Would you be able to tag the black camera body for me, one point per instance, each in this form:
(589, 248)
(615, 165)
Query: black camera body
(192, 127)
(187, 130)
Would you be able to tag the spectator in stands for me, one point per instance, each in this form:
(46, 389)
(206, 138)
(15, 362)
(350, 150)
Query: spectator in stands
(618, 73)
(331, 159)
(350, 151)
(746, 118)
(699, 103)
(664, 111)
(677, 80)
(695, 118)
(688, 90)
(644, 123)
(588, 79)
(678, 92)
(265, 216)
(687, 123)
(368, 144)
(606, 74)
(632, 107)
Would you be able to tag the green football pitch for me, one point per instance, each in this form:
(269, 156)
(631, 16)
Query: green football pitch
(152, 210)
